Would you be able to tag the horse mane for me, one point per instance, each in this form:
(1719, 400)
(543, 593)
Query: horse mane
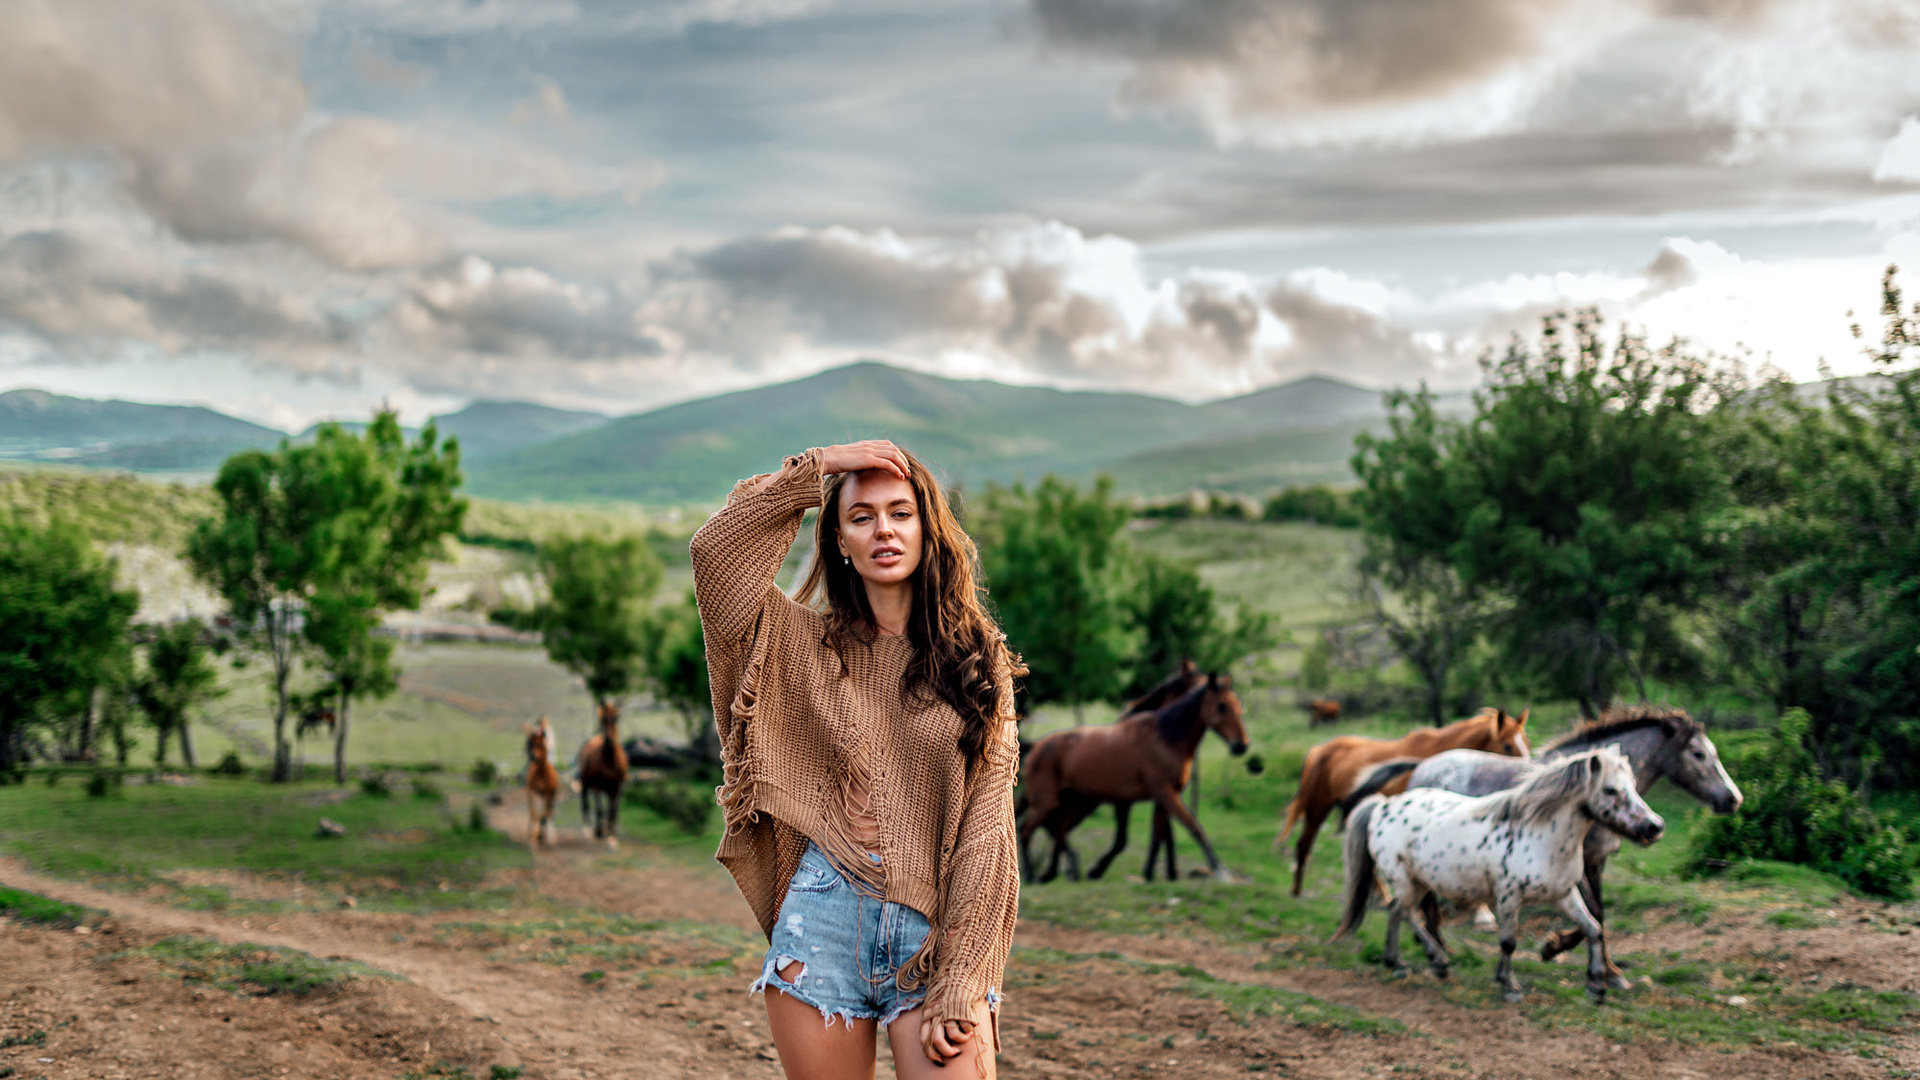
(1544, 788)
(1624, 719)
(1173, 719)
(1167, 690)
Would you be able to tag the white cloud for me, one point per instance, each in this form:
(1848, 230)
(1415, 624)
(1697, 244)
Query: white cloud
(1900, 160)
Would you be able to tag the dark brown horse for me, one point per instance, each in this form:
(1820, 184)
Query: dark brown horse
(543, 784)
(1335, 766)
(1145, 756)
(603, 772)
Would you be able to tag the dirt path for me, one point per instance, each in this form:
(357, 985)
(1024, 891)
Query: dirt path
(1093, 1005)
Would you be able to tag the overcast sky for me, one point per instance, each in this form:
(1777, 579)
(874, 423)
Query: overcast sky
(290, 209)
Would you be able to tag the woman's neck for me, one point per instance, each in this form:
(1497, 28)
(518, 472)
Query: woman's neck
(892, 606)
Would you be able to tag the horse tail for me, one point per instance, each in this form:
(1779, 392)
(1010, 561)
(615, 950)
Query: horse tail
(1376, 778)
(1295, 811)
(1360, 869)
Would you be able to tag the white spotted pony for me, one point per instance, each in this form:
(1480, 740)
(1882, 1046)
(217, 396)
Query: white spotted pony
(1520, 846)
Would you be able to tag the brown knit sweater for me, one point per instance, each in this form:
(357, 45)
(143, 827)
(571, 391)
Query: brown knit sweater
(796, 725)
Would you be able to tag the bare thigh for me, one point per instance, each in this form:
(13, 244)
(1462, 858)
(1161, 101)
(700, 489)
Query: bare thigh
(809, 1048)
(976, 1061)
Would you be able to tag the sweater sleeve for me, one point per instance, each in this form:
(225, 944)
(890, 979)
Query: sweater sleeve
(739, 551)
(983, 892)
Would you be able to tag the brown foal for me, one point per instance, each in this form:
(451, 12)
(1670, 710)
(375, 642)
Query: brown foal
(603, 772)
(543, 784)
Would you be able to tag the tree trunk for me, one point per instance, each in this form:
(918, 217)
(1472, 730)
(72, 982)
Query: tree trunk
(340, 739)
(160, 745)
(282, 662)
(186, 744)
(7, 742)
(87, 721)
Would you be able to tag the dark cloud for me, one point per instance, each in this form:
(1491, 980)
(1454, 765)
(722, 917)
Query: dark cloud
(472, 307)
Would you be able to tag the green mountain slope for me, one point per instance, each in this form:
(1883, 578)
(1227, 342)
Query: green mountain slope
(975, 431)
(490, 428)
(37, 424)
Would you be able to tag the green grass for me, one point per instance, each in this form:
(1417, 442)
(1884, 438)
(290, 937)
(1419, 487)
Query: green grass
(33, 908)
(251, 970)
(397, 852)
(657, 948)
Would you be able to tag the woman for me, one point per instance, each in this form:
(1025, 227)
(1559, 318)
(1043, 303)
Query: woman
(869, 746)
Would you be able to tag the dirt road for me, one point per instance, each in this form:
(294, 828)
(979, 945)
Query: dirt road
(636, 967)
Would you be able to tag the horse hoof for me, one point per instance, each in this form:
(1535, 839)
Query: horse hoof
(1397, 972)
(613, 844)
(1617, 981)
(1515, 996)
(1597, 994)
(1441, 972)
(1484, 921)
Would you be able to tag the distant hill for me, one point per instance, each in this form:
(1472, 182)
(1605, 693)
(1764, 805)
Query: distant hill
(976, 431)
(38, 425)
(490, 428)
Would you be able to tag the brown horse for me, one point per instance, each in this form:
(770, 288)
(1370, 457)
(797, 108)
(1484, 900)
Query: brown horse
(1322, 711)
(1146, 756)
(543, 784)
(603, 772)
(1334, 767)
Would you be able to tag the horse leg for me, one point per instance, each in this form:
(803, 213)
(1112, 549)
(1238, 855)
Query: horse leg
(1596, 906)
(1170, 799)
(1436, 955)
(1122, 813)
(1028, 822)
(1509, 920)
(1059, 846)
(1430, 911)
(1576, 909)
(1073, 857)
(1390, 952)
(613, 817)
(586, 812)
(1309, 829)
(1162, 836)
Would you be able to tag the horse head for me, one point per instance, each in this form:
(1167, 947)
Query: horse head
(1220, 709)
(1692, 762)
(1613, 796)
(609, 716)
(1507, 734)
(537, 741)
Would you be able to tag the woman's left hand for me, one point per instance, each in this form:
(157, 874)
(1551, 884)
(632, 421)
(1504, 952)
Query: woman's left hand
(943, 1041)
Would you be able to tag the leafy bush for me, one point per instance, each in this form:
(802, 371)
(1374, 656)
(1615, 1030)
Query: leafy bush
(375, 784)
(485, 772)
(1793, 814)
(424, 788)
(103, 782)
(1316, 503)
(688, 805)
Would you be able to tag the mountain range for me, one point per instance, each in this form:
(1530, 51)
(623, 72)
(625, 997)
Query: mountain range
(974, 431)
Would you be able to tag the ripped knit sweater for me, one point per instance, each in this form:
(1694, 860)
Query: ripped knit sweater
(800, 723)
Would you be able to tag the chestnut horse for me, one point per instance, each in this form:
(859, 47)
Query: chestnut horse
(603, 772)
(1334, 767)
(1322, 711)
(1143, 756)
(543, 784)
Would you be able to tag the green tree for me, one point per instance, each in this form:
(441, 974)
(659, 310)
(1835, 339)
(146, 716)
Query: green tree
(1582, 496)
(1054, 558)
(596, 620)
(179, 675)
(63, 627)
(676, 672)
(1825, 583)
(1177, 616)
(384, 509)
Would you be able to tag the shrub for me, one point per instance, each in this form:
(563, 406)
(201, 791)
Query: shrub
(102, 782)
(229, 765)
(375, 784)
(688, 805)
(485, 772)
(1794, 814)
(424, 788)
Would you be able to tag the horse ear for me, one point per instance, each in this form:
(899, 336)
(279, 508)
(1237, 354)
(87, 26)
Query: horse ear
(1523, 715)
(1187, 666)
(1593, 766)
(1213, 680)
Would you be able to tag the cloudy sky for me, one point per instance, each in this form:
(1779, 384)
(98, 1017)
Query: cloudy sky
(291, 209)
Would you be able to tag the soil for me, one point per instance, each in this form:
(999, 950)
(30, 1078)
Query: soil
(468, 1002)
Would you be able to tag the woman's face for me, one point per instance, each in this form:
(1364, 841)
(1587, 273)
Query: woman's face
(880, 526)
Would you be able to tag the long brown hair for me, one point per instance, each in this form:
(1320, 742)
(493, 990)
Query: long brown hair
(956, 644)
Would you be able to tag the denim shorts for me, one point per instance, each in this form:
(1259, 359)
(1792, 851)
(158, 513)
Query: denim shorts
(852, 946)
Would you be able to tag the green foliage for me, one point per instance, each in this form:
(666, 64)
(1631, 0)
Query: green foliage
(1053, 556)
(179, 675)
(1177, 616)
(686, 803)
(1795, 815)
(596, 621)
(1583, 493)
(1317, 503)
(63, 627)
(676, 672)
(103, 782)
(107, 507)
(229, 765)
(485, 772)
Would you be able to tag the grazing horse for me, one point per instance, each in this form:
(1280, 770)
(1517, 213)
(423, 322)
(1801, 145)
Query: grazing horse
(1146, 756)
(543, 784)
(1184, 678)
(1523, 845)
(1661, 743)
(314, 718)
(1334, 766)
(1322, 711)
(603, 772)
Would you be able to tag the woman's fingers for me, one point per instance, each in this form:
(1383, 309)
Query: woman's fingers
(867, 454)
(935, 1043)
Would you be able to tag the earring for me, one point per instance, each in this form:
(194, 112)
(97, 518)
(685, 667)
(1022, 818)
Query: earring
(848, 559)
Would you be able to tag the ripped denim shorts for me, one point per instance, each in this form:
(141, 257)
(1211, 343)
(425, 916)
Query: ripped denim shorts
(851, 945)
